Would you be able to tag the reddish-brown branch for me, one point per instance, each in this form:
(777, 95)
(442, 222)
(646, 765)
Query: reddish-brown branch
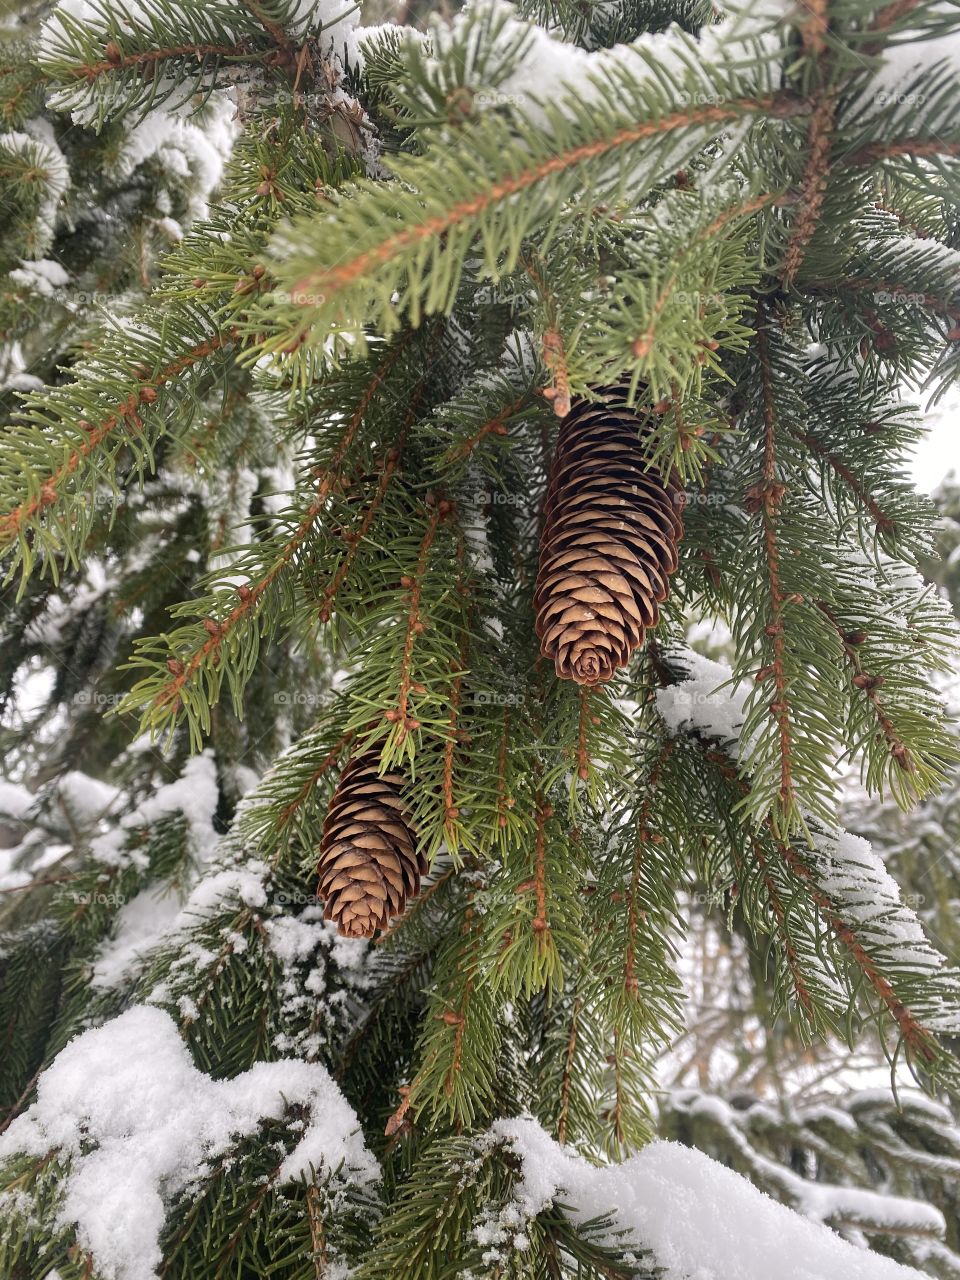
(318, 1231)
(776, 906)
(883, 522)
(813, 186)
(868, 685)
(250, 596)
(555, 358)
(127, 411)
(496, 426)
(306, 790)
(273, 29)
(915, 1035)
(415, 624)
(91, 71)
(566, 1080)
(913, 227)
(815, 25)
(892, 13)
(331, 280)
(917, 147)
(768, 496)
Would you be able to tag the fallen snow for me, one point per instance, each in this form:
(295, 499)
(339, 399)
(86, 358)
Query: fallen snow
(195, 795)
(139, 926)
(15, 800)
(125, 1103)
(43, 276)
(705, 701)
(699, 1219)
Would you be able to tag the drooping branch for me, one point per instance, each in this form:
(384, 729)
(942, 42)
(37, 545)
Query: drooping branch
(766, 497)
(126, 411)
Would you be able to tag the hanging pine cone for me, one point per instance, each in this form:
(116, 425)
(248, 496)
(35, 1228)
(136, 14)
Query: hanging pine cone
(369, 864)
(609, 543)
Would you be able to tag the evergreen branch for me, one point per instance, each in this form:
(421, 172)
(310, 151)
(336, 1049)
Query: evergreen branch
(813, 185)
(918, 1039)
(162, 698)
(866, 958)
(800, 987)
(767, 497)
(363, 254)
(404, 723)
(912, 148)
(883, 522)
(868, 685)
(125, 414)
(115, 61)
(897, 292)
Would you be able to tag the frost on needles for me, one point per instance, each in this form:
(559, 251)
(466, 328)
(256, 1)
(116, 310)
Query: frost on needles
(295, 295)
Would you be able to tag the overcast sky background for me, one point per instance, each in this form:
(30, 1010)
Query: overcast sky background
(939, 453)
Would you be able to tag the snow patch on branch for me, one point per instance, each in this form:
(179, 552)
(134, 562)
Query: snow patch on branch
(706, 702)
(138, 1122)
(691, 1212)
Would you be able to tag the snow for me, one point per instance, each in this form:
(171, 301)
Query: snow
(139, 925)
(551, 70)
(853, 1207)
(43, 276)
(855, 878)
(700, 1220)
(192, 150)
(195, 795)
(85, 799)
(51, 160)
(705, 701)
(15, 800)
(125, 1103)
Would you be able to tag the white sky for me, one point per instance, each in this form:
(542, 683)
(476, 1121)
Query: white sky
(939, 452)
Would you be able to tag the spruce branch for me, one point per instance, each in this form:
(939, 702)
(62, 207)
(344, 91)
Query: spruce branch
(366, 258)
(133, 419)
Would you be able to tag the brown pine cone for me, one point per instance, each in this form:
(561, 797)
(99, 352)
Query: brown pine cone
(369, 864)
(609, 542)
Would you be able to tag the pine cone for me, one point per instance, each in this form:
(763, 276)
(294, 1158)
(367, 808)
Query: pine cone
(369, 865)
(609, 542)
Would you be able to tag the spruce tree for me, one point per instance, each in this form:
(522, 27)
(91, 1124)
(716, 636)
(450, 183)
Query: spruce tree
(381, 403)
